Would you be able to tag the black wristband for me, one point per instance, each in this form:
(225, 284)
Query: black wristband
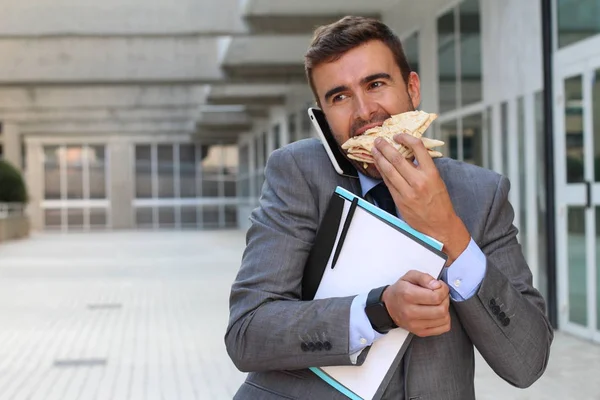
(377, 312)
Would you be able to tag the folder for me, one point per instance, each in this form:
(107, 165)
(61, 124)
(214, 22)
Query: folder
(371, 248)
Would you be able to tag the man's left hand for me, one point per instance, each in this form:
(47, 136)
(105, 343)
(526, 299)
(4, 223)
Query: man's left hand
(420, 194)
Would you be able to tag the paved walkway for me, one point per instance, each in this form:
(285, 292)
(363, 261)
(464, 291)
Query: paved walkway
(141, 315)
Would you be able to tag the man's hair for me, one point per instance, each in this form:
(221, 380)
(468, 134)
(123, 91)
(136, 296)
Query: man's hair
(331, 42)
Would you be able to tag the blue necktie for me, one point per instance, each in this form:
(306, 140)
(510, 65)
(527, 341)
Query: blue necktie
(383, 198)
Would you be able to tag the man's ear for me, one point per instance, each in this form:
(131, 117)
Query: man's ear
(413, 86)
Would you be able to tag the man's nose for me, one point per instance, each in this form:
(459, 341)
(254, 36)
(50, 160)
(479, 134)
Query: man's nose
(365, 108)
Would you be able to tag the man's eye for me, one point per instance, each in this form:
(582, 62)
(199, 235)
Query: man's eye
(377, 84)
(339, 97)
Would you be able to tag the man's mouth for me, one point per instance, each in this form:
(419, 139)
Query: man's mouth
(365, 128)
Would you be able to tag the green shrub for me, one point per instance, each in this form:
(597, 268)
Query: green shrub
(12, 185)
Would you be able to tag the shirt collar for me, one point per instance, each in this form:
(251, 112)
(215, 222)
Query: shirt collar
(367, 183)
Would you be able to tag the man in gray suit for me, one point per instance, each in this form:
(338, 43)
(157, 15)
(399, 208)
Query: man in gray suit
(359, 75)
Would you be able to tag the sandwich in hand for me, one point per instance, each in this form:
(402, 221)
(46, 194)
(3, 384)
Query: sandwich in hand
(415, 123)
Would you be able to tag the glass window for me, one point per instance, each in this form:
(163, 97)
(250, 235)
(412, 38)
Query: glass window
(488, 137)
(540, 184)
(97, 163)
(189, 217)
(166, 217)
(230, 170)
(230, 216)
(143, 172)
(306, 122)
(211, 171)
(577, 20)
(244, 187)
(596, 116)
(74, 163)
(577, 266)
(411, 49)
(144, 217)
(53, 218)
(449, 134)
(523, 231)
(244, 159)
(187, 171)
(473, 139)
(504, 136)
(276, 138)
(265, 143)
(574, 129)
(210, 216)
(51, 173)
(463, 23)
(259, 148)
(98, 218)
(75, 217)
(166, 171)
(292, 128)
(470, 52)
(447, 62)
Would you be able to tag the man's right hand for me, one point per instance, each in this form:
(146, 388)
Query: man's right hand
(419, 303)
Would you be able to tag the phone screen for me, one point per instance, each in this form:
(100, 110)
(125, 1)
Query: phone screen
(339, 161)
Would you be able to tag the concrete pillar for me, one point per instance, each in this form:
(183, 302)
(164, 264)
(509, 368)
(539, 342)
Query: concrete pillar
(12, 144)
(35, 184)
(122, 184)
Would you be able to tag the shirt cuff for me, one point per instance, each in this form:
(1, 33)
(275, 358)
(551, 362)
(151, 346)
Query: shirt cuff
(465, 275)
(362, 333)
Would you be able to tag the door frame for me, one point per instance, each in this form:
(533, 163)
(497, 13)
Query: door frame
(581, 59)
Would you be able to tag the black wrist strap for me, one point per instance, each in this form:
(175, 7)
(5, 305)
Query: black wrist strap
(375, 295)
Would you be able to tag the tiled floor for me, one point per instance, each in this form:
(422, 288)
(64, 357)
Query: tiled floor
(141, 315)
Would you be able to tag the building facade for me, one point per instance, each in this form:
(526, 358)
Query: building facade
(515, 84)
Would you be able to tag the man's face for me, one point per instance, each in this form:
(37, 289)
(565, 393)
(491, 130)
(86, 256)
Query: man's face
(361, 90)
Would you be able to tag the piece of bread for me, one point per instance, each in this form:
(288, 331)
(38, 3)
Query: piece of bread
(414, 123)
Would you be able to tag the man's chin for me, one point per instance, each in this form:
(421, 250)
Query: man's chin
(371, 171)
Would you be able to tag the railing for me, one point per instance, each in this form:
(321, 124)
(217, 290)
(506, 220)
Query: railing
(11, 210)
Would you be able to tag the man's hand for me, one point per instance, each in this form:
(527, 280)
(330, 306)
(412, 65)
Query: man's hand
(420, 194)
(419, 303)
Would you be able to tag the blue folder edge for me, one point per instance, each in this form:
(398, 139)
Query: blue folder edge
(389, 218)
(400, 224)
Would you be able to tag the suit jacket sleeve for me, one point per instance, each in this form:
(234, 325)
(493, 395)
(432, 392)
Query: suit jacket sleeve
(268, 322)
(515, 337)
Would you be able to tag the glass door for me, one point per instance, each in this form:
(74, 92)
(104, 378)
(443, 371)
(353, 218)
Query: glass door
(577, 169)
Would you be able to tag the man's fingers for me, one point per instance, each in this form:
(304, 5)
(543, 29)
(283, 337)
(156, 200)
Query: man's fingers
(421, 279)
(429, 314)
(417, 146)
(435, 331)
(396, 160)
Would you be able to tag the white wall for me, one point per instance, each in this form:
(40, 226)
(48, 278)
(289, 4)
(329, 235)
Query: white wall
(511, 46)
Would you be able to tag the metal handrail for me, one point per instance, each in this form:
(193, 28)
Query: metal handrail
(11, 210)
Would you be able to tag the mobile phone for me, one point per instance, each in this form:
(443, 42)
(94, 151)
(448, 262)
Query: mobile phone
(340, 163)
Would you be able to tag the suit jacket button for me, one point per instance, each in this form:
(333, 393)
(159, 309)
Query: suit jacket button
(327, 346)
(495, 310)
(311, 346)
(506, 321)
(304, 346)
(319, 346)
(492, 302)
(501, 316)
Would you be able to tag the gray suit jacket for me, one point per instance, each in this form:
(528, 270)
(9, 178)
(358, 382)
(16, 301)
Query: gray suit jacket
(269, 323)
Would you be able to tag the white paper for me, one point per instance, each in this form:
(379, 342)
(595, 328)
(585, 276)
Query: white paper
(374, 254)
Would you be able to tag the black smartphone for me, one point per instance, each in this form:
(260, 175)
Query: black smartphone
(338, 160)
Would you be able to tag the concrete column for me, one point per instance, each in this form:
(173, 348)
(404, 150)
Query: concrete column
(122, 184)
(35, 184)
(12, 144)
